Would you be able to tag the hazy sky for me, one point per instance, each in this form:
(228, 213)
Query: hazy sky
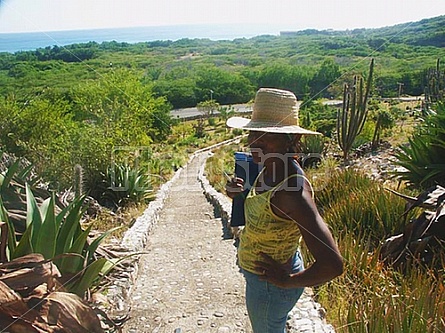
(50, 15)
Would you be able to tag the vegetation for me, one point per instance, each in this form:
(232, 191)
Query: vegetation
(371, 296)
(423, 158)
(76, 105)
(311, 63)
(95, 118)
(393, 249)
(50, 229)
(58, 237)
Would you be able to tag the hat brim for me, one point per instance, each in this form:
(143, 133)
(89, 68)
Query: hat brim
(252, 125)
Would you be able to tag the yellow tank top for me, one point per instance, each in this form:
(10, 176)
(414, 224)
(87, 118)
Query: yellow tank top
(265, 231)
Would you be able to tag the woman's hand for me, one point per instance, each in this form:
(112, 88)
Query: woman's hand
(274, 272)
(234, 186)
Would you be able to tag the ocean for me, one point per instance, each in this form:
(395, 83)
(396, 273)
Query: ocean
(13, 42)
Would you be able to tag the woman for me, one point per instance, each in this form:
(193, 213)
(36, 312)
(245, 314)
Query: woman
(279, 211)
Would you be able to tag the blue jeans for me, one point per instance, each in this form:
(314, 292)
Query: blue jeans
(268, 305)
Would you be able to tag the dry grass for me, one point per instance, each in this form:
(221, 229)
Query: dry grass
(124, 217)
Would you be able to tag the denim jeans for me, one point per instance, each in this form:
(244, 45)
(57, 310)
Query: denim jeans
(268, 305)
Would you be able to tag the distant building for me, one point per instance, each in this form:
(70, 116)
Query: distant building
(288, 33)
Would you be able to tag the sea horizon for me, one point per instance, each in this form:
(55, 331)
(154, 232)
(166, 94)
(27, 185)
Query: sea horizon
(27, 41)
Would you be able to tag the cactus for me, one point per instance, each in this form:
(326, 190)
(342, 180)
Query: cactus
(435, 86)
(78, 180)
(352, 116)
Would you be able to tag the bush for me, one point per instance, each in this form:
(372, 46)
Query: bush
(423, 159)
(126, 185)
(352, 202)
(370, 297)
(58, 236)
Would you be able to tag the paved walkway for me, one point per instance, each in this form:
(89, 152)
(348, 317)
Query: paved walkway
(189, 281)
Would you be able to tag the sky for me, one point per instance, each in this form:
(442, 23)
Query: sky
(54, 15)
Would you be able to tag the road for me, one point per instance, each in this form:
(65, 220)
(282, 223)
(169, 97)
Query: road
(246, 108)
(240, 108)
(193, 112)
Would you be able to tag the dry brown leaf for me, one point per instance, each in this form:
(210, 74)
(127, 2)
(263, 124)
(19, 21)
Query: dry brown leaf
(20, 326)
(26, 278)
(15, 316)
(70, 312)
(9, 297)
(28, 272)
(28, 260)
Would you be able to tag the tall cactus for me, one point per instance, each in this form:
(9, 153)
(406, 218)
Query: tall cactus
(435, 84)
(352, 116)
(78, 180)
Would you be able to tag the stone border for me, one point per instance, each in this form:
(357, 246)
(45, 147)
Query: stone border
(134, 241)
(222, 204)
(136, 237)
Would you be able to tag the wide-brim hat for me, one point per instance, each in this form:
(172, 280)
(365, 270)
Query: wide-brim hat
(274, 111)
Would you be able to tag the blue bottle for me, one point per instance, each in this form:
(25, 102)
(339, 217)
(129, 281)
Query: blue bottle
(246, 169)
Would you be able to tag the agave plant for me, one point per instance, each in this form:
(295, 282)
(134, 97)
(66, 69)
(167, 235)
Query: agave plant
(423, 159)
(127, 185)
(312, 148)
(14, 174)
(59, 237)
(422, 240)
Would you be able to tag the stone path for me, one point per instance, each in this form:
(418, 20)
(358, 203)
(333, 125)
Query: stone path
(188, 280)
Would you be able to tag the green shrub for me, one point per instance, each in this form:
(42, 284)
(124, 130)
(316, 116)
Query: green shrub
(237, 131)
(61, 238)
(211, 121)
(370, 297)
(126, 185)
(352, 201)
(313, 144)
(423, 159)
(365, 135)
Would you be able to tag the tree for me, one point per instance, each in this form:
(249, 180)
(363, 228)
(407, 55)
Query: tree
(125, 108)
(324, 80)
(227, 87)
(10, 125)
(288, 77)
(225, 112)
(57, 131)
(207, 108)
(179, 92)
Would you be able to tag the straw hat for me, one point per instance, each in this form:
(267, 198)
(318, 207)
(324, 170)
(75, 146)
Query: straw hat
(274, 111)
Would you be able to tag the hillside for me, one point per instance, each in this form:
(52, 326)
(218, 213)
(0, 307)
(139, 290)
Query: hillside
(427, 32)
(309, 62)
